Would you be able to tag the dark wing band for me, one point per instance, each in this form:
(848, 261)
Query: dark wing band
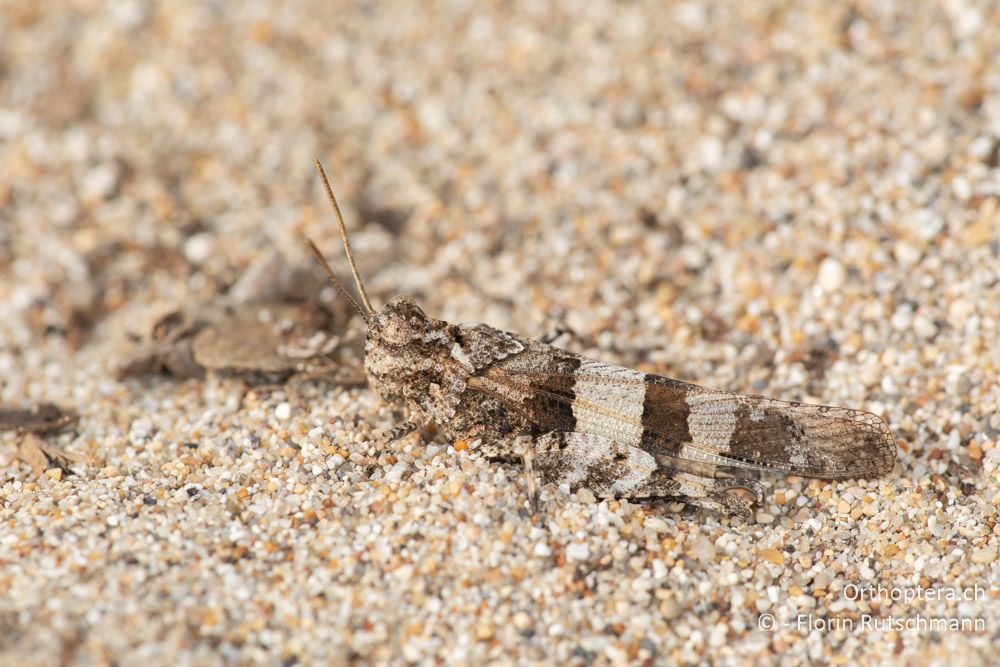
(671, 418)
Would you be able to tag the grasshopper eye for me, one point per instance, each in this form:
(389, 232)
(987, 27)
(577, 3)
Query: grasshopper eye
(397, 331)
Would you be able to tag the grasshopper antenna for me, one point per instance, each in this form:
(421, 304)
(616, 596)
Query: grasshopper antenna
(321, 260)
(369, 311)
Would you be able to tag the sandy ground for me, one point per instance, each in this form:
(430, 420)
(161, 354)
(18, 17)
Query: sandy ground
(798, 201)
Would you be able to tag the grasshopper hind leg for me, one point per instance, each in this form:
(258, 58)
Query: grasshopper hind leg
(613, 470)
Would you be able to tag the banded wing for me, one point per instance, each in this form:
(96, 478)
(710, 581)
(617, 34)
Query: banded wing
(612, 470)
(685, 422)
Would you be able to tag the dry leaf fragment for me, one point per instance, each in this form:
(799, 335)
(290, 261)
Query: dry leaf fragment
(168, 349)
(41, 456)
(30, 451)
(46, 417)
(272, 338)
(270, 326)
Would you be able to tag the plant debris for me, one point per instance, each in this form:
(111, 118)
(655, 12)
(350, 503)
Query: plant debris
(42, 419)
(167, 350)
(31, 424)
(274, 340)
(42, 456)
(269, 327)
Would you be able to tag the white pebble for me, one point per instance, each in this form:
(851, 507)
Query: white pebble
(831, 274)
(924, 327)
(961, 187)
(198, 248)
(522, 621)
(902, 319)
(927, 223)
(657, 525)
(99, 183)
(283, 411)
(577, 552)
(983, 556)
(703, 550)
(396, 472)
(712, 151)
(906, 254)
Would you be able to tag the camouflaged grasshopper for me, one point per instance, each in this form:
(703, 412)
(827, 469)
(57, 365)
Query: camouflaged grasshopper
(616, 431)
